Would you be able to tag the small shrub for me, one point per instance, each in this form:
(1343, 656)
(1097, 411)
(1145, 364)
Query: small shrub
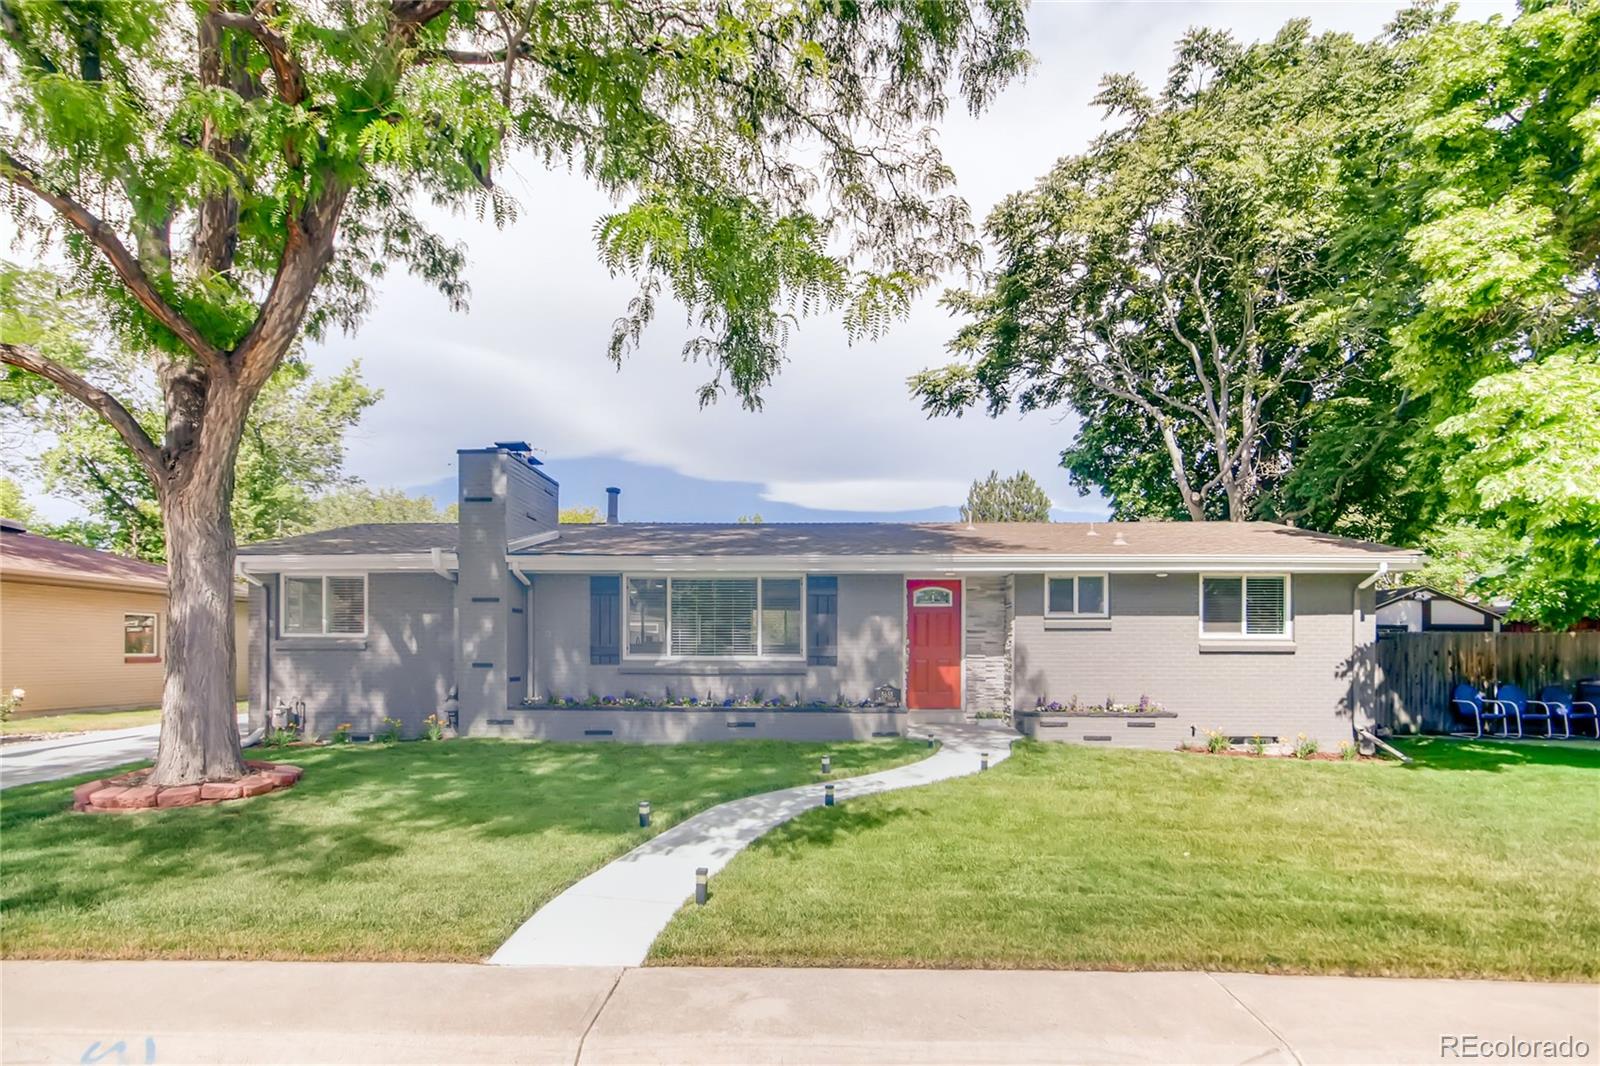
(1216, 741)
(390, 733)
(1348, 751)
(340, 734)
(11, 702)
(282, 736)
(1304, 746)
(1257, 745)
(433, 727)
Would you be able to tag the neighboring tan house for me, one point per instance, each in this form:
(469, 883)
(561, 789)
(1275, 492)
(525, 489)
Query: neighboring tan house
(1425, 609)
(505, 619)
(82, 629)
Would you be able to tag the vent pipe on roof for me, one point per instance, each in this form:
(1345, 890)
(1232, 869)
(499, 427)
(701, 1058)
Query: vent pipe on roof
(613, 494)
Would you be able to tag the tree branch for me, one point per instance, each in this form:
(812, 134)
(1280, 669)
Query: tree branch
(122, 261)
(91, 396)
(285, 68)
(466, 58)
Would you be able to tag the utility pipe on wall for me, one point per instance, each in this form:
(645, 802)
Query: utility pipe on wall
(1355, 632)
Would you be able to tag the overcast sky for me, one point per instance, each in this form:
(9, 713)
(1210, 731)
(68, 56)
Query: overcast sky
(839, 437)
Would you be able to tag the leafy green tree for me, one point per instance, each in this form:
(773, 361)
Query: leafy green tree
(1017, 498)
(227, 178)
(1161, 282)
(579, 516)
(14, 504)
(356, 505)
(292, 447)
(751, 519)
(1471, 253)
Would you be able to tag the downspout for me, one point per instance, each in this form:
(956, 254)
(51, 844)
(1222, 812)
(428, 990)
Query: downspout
(436, 560)
(1355, 641)
(257, 734)
(527, 629)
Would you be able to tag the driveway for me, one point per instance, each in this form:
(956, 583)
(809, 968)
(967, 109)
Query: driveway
(402, 1012)
(76, 753)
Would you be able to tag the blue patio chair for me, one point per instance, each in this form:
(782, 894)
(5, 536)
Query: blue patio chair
(1468, 702)
(1516, 703)
(1559, 704)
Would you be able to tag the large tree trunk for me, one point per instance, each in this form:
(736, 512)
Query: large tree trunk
(199, 733)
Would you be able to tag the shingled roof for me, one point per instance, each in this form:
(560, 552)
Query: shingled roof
(1064, 539)
(26, 556)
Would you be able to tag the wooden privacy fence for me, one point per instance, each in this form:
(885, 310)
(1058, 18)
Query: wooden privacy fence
(1415, 672)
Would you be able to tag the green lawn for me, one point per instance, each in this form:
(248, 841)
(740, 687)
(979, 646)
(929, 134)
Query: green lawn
(79, 721)
(419, 851)
(1480, 859)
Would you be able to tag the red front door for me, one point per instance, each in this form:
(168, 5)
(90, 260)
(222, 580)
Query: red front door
(933, 629)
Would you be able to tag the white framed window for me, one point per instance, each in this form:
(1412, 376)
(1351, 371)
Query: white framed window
(140, 636)
(933, 596)
(720, 617)
(322, 605)
(1245, 605)
(1076, 596)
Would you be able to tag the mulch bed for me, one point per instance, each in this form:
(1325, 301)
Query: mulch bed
(130, 792)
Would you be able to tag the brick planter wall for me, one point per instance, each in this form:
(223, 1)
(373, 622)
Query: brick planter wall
(1156, 730)
(128, 792)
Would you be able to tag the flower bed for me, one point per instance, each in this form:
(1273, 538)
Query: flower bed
(1110, 707)
(708, 703)
(129, 792)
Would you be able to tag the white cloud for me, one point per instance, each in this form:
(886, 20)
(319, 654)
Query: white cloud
(839, 429)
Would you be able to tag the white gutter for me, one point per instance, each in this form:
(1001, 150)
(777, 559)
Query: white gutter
(238, 568)
(369, 562)
(948, 563)
(436, 559)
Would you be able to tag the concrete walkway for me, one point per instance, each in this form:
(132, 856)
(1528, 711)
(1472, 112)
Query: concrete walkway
(611, 917)
(246, 1012)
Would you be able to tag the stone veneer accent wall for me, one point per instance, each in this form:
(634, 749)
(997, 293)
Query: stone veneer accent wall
(988, 642)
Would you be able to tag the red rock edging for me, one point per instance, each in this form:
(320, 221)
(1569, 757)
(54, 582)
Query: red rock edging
(128, 792)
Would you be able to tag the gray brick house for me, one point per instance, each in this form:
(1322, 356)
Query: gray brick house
(507, 619)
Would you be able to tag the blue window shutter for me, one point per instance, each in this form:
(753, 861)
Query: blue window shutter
(822, 621)
(605, 620)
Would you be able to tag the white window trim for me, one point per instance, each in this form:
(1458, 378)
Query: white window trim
(366, 607)
(155, 630)
(1287, 636)
(1105, 594)
(666, 656)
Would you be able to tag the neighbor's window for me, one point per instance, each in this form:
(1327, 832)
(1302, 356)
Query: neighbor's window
(1073, 595)
(1244, 605)
(647, 615)
(716, 617)
(325, 605)
(139, 636)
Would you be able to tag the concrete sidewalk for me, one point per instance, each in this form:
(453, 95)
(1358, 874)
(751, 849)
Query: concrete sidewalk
(611, 917)
(374, 1012)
